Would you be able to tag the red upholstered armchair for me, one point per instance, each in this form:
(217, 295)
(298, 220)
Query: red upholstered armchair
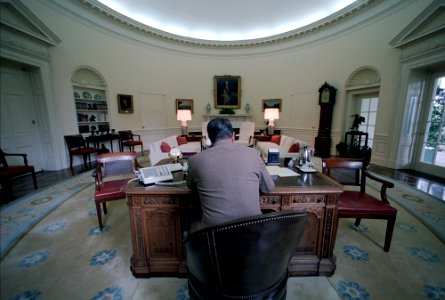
(359, 204)
(113, 171)
(10, 172)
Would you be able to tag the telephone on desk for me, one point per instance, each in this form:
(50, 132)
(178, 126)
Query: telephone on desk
(157, 174)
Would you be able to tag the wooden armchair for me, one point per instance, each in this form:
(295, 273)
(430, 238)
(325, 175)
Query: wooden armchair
(10, 172)
(113, 171)
(358, 204)
(126, 139)
(78, 146)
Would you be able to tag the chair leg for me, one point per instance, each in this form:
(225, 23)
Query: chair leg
(85, 161)
(99, 215)
(104, 205)
(34, 179)
(71, 163)
(389, 231)
(357, 222)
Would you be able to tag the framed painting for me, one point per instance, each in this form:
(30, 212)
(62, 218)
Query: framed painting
(184, 104)
(227, 90)
(272, 103)
(125, 104)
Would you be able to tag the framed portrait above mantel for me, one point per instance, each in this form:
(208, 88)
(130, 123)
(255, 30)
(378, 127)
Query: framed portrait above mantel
(272, 103)
(125, 104)
(184, 104)
(227, 91)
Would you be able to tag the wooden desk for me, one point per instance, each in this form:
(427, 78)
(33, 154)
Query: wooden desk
(159, 215)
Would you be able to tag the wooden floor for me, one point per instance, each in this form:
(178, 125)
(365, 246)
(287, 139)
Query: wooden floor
(432, 185)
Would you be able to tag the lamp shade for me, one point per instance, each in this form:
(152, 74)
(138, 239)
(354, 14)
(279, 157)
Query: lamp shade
(184, 115)
(271, 114)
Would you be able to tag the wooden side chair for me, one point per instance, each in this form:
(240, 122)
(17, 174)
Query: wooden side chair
(113, 171)
(78, 146)
(126, 139)
(9, 172)
(359, 204)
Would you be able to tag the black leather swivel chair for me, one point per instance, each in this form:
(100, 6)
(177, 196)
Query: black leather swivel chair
(243, 259)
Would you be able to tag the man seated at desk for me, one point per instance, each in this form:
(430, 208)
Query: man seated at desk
(228, 177)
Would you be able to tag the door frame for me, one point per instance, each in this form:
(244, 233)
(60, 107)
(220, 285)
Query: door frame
(417, 164)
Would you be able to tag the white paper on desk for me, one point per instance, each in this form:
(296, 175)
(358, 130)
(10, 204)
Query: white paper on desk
(282, 172)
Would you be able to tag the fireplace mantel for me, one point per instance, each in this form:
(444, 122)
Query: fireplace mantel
(235, 119)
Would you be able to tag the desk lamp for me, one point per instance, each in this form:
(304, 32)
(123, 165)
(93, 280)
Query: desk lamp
(184, 115)
(271, 114)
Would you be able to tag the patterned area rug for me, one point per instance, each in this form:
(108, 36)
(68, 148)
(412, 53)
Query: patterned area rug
(65, 255)
(19, 216)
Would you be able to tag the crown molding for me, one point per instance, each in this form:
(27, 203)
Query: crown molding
(326, 23)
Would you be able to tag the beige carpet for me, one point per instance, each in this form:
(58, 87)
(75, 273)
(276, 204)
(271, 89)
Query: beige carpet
(65, 256)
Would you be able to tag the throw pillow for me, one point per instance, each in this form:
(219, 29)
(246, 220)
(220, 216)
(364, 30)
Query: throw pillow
(276, 139)
(294, 148)
(181, 140)
(165, 147)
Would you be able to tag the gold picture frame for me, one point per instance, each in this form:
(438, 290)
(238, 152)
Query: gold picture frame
(227, 91)
(125, 104)
(184, 104)
(272, 103)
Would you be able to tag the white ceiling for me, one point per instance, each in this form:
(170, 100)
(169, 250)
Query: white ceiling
(228, 20)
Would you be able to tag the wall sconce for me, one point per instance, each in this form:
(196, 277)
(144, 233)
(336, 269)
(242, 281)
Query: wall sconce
(271, 114)
(184, 115)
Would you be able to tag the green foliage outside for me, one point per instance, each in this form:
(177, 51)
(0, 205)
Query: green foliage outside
(436, 133)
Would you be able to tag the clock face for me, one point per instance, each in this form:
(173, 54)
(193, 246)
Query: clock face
(325, 96)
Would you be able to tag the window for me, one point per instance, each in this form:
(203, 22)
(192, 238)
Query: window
(368, 109)
(433, 150)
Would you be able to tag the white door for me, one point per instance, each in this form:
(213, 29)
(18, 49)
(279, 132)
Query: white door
(19, 123)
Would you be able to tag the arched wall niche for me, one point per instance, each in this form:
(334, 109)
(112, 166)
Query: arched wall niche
(88, 76)
(90, 98)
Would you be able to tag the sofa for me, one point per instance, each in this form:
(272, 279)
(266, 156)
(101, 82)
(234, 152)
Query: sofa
(159, 150)
(286, 145)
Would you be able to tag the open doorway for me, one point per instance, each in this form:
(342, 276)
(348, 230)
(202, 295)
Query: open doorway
(430, 156)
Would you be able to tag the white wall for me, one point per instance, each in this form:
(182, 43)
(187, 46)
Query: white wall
(155, 74)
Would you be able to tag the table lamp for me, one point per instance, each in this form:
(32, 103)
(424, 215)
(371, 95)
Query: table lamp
(184, 115)
(271, 114)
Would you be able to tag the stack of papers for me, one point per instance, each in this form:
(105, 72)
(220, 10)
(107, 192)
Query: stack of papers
(279, 171)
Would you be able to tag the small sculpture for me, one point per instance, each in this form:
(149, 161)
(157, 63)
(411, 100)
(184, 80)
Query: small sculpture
(357, 121)
(208, 108)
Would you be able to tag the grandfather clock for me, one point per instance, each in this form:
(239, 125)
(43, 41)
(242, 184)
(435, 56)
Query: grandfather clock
(326, 100)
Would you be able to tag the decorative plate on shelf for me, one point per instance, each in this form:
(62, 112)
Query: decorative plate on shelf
(76, 95)
(86, 95)
(97, 97)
